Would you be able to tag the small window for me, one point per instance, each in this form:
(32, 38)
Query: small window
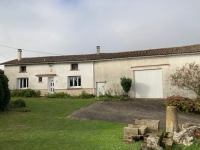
(22, 68)
(75, 82)
(39, 79)
(74, 66)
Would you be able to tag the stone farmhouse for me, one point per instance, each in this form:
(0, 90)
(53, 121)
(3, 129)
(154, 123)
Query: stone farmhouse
(99, 73)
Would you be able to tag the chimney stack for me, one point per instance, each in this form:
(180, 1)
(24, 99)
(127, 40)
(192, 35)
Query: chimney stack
(98, 49)
(19, 54)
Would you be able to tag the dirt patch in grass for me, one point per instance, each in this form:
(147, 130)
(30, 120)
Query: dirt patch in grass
(127, 111)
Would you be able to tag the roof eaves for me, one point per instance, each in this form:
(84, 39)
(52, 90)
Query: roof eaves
(56, 62)
(137, 57)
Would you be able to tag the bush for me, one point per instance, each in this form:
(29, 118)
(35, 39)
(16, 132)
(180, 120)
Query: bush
(26, 93)
(17, 103)
(85, 95)
(126, 84)
(66, 95)
(5, 98)
(107, 95)
(57, 95)
(184, 104)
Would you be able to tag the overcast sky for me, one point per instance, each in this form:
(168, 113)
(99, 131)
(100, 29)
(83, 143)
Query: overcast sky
(69, 27)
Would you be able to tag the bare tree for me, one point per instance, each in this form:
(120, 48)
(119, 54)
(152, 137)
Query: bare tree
(187, 77)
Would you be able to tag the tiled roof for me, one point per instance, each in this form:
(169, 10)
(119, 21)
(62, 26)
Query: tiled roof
(104, 56)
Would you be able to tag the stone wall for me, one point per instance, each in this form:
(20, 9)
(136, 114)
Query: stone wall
(75, 92)
(72, 92)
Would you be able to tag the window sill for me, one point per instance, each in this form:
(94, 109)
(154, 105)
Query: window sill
(74, 88)
(74, 70)
(23, 72)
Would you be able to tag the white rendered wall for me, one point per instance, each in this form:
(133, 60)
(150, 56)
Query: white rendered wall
(62, 71)
(111, 71)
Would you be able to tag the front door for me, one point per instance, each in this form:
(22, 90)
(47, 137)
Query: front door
(51, 85)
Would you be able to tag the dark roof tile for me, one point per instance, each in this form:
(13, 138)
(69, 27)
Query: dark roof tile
(103, 56)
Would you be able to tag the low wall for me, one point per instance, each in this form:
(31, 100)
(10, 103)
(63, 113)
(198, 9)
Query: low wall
(74, 92)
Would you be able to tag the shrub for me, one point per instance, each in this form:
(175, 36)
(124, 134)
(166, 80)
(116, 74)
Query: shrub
(5, 98)
(26, 93)
(107, 95)
(29, 93)
(85, 95)
(58, 95)
(126, 84)
(17, 103)
(37, 93)
(184, 104)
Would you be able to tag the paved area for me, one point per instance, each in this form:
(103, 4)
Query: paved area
(127, 111)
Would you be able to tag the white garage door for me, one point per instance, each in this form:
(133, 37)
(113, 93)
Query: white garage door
(148, 84)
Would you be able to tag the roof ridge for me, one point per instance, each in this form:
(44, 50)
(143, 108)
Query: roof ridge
(112, 55)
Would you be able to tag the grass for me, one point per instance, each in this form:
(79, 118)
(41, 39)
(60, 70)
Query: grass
(195, 146)
(47, 127)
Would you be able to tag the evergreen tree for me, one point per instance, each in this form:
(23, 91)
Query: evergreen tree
(5, 95)
(1, 93)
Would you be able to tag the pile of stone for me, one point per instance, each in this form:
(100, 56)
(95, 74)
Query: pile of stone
(140, 129)
(187, 134)
(148, 131)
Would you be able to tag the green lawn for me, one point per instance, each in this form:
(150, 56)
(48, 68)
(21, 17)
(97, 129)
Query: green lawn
(47, 127)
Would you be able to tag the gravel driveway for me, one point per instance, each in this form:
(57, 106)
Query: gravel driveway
(127, 111)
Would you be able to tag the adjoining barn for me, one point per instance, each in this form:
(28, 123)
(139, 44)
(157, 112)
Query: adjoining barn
(149, 70)
(101, 72)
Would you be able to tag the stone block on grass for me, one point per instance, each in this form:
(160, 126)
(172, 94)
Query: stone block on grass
(134, 126)
(142, 129)
(152, 125)
(153, 141)
(130, 131)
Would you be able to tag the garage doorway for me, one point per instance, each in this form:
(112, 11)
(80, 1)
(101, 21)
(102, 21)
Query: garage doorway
(148, 83)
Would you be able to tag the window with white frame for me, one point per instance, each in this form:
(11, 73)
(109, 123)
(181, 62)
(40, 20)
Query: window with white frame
(74, 81)
(22, 83)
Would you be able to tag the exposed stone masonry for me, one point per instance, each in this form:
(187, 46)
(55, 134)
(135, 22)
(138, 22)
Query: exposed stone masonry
(148, 131)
